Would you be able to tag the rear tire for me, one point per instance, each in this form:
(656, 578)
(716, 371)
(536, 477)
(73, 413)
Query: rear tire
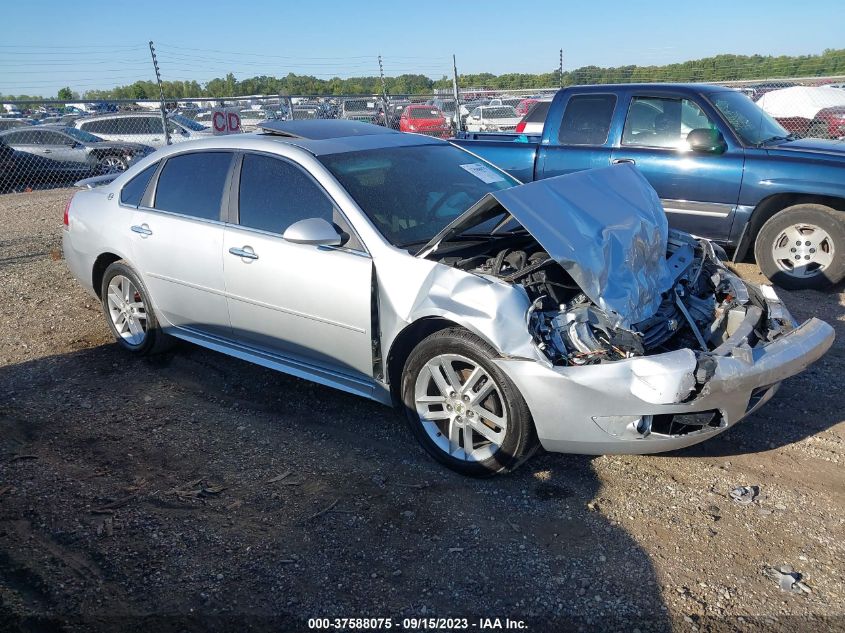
(129, 313)
(802, 246)
(463, 409)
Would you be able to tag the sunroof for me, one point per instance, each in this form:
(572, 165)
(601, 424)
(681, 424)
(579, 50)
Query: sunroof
(321, 129)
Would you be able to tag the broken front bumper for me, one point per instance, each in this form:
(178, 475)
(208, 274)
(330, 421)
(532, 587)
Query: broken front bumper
(601, 409)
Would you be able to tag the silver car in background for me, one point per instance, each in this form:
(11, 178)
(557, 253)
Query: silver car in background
(145, 128)
(497, 316)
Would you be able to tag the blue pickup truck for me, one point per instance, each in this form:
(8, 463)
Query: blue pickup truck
(722, 167)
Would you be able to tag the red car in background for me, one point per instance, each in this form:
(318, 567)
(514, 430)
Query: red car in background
(424, 119)
(524, 106)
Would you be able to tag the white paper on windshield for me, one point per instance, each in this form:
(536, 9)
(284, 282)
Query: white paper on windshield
(483, 172)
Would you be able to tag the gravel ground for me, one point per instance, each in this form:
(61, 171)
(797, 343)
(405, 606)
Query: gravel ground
(198, 492)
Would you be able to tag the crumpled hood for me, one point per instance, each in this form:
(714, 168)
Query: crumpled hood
(605, 227)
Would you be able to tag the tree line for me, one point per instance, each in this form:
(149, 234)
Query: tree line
(716, 68)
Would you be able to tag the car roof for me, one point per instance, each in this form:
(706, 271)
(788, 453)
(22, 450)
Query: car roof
(119, 115)
(682, 87)
(315, 136)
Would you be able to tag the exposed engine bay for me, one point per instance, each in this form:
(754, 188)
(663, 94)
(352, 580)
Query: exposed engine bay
(706, 306)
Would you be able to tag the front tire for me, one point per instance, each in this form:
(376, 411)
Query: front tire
(802, 246)
(112, 164)
(463, 409)
(129, 313)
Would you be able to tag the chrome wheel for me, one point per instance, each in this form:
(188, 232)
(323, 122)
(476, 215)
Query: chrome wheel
(803, 250)
(461, 407)
(127, 310)
(112, 165)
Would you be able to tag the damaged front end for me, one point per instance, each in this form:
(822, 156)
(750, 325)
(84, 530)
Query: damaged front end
(647, 334)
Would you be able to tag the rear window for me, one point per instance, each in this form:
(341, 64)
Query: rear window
(192, 184)
(500, 112)
(133, 190)
(538, 112)
(425, 113)
(586, 120)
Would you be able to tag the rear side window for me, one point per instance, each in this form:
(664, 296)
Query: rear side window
(538, 112)
(133, 190)
(586, 120)
(192, 184)
(106, 126)
(275, 193)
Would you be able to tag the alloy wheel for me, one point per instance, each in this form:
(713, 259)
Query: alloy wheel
(112, 165)
(461, 407)
(127, 310)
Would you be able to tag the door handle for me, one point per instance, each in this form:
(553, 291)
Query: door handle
(48, 151)
(246, 252)
(143, 230)
(621, 161)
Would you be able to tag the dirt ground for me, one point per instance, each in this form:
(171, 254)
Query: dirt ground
(197, 492)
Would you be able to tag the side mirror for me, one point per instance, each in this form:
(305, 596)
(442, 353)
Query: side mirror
(706, 140)
(313, 231)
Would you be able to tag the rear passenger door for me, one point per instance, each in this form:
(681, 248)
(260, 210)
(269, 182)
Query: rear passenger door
(699, 191)
(312, 304)
(177, 240)
(583, 140)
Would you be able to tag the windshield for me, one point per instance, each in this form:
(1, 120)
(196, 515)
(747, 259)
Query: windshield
(412, 193)
(503, 112)
(747, 119)
(188, 123)
(81, 135)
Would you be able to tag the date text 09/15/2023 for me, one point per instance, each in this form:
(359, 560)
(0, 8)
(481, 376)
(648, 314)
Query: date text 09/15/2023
(417, 624)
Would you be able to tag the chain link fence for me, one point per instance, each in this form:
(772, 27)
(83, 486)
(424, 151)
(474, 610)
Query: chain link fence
(47, 144)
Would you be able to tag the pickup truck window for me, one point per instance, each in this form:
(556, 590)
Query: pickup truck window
(747, 119)
(662, 122)
(586, 120)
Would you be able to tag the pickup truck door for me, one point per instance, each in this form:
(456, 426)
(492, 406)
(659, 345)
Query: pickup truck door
(699, 191)
(582, 140)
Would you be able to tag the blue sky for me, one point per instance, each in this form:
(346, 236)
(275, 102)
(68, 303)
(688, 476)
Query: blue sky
(101, 44)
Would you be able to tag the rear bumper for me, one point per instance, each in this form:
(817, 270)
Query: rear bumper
(595, 409)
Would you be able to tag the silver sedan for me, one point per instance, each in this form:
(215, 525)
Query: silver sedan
(497, 316)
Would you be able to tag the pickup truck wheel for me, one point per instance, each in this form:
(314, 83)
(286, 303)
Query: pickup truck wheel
(802, 246)
(463, 409)
(129, 314)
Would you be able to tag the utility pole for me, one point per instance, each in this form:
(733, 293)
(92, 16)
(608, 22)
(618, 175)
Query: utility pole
(458, 120)
(383, 90)
(560, 69)
(160, 95)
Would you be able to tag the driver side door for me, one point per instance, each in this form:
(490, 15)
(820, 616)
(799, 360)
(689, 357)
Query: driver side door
(699, 191)
(308, 304)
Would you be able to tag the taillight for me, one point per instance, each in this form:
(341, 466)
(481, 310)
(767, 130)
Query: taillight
(520, 127)
(66, 217)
